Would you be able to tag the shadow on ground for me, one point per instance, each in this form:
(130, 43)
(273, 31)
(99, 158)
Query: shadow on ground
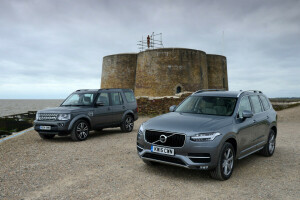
(92, 135)
(171, 172)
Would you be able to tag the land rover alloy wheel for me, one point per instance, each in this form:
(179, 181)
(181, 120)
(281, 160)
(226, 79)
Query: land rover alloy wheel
(127, 124)
(80, 130)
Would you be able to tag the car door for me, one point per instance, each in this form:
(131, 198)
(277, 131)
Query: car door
(102, 113)
(263, 135)
(245, 134)
(260, 120)
(118, 107)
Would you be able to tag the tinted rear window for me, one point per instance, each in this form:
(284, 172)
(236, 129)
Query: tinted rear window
(265, 102)
(256, 104)
(116, 98)
(129, 97)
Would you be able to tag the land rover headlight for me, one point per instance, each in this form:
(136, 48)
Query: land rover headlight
(63, 117)
(140, 132)
(203, 137)
(37, 116)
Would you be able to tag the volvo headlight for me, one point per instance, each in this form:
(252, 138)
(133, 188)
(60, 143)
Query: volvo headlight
(63, 117)
(203, 137)
(141, 132)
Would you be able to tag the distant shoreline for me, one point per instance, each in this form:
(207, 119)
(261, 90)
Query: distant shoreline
(17, 106)
(33, 99)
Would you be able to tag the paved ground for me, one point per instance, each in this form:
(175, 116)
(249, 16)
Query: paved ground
(106, 166)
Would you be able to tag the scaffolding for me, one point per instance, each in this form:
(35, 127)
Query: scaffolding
(152, 43)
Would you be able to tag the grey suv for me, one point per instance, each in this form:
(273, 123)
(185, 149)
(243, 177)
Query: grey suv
(209, 130)
(86, 110)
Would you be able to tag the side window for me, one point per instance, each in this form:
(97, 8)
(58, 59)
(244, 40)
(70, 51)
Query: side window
(116, 98)
(87, 99)
(256, 104)
(265, 102)
(129, 97)
(244, 105)
(103, 97)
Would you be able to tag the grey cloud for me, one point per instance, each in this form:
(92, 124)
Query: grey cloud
(60, 44)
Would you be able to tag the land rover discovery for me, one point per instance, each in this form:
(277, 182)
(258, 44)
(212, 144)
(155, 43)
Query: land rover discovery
(86, 110)
(209, 130)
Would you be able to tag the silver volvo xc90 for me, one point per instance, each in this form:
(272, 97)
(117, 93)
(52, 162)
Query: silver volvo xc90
(209, 130)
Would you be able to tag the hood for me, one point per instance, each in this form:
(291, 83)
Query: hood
(63, 109)
(187, 122)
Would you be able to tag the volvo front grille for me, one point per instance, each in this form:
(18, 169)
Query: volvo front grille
(165, 138)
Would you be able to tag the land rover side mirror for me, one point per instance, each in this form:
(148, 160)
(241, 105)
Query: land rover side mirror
(172, 108)
(100, 103)
(247, 114)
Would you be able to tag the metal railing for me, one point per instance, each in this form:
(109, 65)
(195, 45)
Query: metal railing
(254, 91)
(208, 90)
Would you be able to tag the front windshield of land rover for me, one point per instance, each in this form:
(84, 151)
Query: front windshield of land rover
(79, 99)
(208, 105)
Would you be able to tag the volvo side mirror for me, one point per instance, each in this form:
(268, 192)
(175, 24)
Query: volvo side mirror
(247, 114)
(172, 108)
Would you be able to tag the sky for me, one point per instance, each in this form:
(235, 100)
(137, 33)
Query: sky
(48, 49)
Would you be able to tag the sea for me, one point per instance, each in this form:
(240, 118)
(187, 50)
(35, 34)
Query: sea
(18, 106)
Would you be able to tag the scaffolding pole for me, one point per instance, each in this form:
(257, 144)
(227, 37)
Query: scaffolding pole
(153, 43)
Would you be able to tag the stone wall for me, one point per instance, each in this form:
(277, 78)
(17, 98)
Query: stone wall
(159, 105)
(161, 71)
(217, 72)
(151, 106)
(118, 71)
(165, 71)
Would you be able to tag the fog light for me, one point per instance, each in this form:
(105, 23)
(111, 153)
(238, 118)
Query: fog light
(61, 124)
(203, 167)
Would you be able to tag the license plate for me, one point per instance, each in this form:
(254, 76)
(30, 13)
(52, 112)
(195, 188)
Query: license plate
(162, 150)
(45, 128)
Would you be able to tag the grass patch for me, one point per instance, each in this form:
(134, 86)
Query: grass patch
(279, 107)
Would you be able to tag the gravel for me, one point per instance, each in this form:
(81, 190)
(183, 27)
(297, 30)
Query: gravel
(106, 166)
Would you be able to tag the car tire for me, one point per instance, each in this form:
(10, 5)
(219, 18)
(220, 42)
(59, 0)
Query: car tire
(46, 136)
(127, 124)
(269, 147)
(226, 162)
(80, 130)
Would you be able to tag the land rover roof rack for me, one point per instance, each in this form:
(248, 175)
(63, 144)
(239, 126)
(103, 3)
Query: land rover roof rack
(82, 90)
(115, 89)
(208, 90)
(254, 91)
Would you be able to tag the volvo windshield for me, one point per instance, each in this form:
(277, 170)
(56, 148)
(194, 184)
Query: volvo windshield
(208, 105)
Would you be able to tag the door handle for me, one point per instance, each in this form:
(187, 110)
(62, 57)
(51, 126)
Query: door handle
(108, 108)
(123, 107)
(254, 121)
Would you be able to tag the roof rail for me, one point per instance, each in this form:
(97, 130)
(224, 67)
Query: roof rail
(123, 89)
(208, 90)
(113, 88)
(81, 90)
(254, 91)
